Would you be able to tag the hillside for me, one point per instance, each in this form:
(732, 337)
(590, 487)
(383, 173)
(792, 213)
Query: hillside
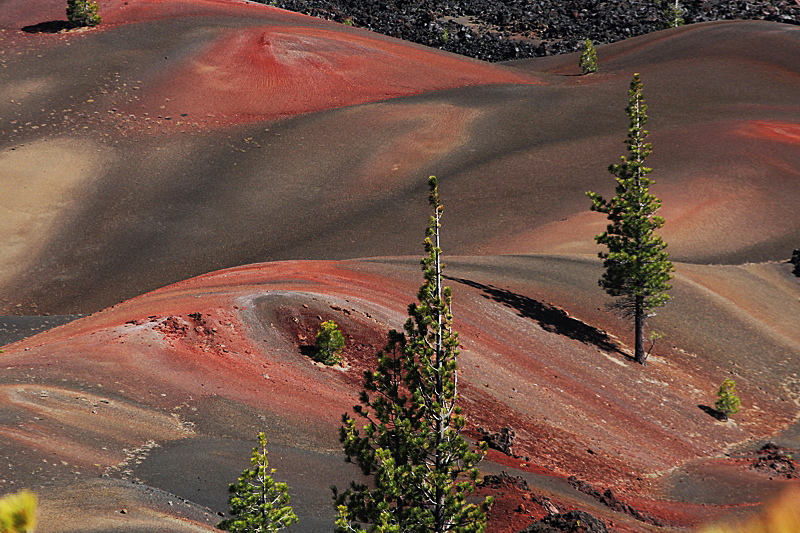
(169, 147)
(169, 389)
(211, 179)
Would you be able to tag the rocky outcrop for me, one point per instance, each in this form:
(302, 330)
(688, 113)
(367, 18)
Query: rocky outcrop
(572, 522)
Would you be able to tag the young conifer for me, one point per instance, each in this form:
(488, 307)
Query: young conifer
(673, 14)
(636, 266)
(258, 503)
(588, 60)
(421, 467)
(82, 13)
(728, 402)
(330, 343)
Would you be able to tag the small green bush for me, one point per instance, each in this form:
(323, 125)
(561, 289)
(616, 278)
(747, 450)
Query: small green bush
(588, 61)
(728, 402)
(330, 343)
(82, 13)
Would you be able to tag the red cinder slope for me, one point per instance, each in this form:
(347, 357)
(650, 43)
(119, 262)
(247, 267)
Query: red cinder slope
(134, 155)
(265, 72)
(171, 387)
(256, 62)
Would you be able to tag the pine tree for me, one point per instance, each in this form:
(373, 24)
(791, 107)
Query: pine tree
(82, 13)
(421, 467)
(258, 503)
(330, 343)
(636, 266)
(728, 402)
(588, 59)
(673, 13)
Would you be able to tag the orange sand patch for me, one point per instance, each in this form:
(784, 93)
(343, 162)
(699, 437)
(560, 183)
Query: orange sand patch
(424, 132)
(573, 235)
(773, 130)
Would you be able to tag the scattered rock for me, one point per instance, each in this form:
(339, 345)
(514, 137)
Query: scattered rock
(609, 499)
(173, 326)
(775, 461)
(502, 441)
(572, 521)
(504, 480)
(517, 29)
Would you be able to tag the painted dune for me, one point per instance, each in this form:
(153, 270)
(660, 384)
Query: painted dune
(199, 136)
(168, 389)
(183, 137)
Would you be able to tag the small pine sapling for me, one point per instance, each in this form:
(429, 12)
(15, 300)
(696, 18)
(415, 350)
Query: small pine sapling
(655, 336)
(82, 13)
(258, 504)
(330, 343)
(728, 402)
(673, 14)
(588, 61)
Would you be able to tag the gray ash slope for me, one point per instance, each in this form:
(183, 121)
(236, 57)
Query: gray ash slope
(501, 30)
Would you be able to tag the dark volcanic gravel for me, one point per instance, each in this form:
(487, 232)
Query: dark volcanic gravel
(500, 30)
(16, 328)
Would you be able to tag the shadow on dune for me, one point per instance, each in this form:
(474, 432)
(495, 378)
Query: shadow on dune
(550, 318)
(51, 26)
(710, 411)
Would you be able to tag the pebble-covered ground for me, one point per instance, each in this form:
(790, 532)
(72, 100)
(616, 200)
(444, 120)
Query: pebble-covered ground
(500, 30)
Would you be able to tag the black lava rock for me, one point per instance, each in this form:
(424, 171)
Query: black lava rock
(500, 30)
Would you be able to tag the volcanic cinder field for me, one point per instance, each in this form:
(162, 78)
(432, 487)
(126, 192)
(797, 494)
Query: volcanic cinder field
(209, 180)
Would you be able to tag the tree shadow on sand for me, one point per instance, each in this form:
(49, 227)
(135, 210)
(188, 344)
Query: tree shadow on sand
(710, 411)
(550, 318)
(52, 26)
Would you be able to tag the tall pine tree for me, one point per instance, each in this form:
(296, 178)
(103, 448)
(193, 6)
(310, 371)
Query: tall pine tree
(637, 270)
(422, 469)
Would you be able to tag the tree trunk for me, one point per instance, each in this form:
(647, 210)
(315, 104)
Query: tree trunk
(638, 313)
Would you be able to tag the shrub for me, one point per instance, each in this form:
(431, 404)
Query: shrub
(727, 400)
(82, 13)
(330, 343)
(588, 61)
(18, 512)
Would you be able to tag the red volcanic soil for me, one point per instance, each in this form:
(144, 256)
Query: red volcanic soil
(270, 63)
(182, 137)
(205, 136)
(17, 14)
(170, 389)
(269, 72)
